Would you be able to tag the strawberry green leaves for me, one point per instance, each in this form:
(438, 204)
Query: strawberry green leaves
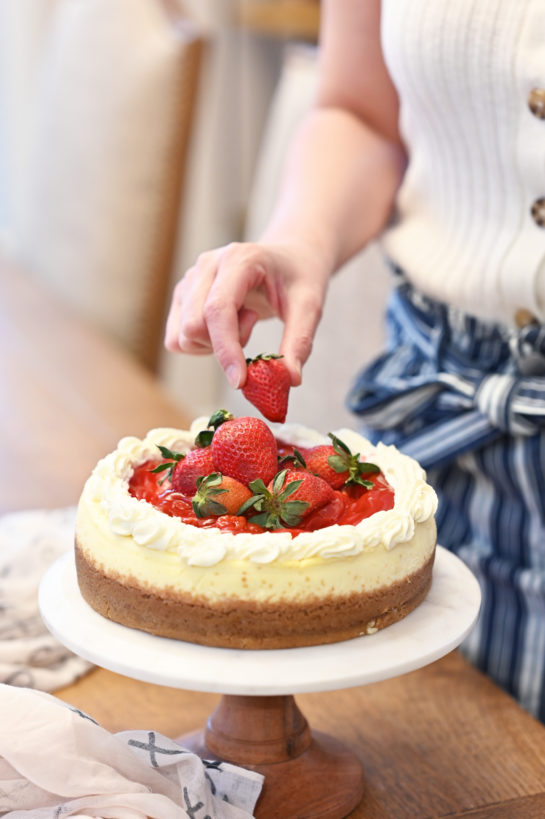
(274, 509)
(204, 437)
(344, 461)
(204, 501)
(294, 459)
(234, 495)
(169, 464)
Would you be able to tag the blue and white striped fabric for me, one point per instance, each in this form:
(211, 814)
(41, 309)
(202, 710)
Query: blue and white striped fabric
(467, 400)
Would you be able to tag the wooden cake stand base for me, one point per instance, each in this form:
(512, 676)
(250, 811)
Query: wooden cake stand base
(307, 775)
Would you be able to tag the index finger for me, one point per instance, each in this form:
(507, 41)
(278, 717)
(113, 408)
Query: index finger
(226, 314)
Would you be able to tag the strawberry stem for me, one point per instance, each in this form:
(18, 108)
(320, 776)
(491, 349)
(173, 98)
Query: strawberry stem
(274, 509)
(208, 488)
(263, 357)
(169, 464)
(345, 461)
(204, 437)
(296, 458)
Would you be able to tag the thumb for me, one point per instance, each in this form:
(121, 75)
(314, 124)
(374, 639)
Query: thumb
(246, 322)
(302, 316)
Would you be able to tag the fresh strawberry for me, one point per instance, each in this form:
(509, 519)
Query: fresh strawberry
(288, 499)
(326, 515)
(219, 495)
(196, 464)
(244, 448)
(312, 490)
(267, 386)
(284, 448)
(336, 464)
(317, 461)
(291, 458)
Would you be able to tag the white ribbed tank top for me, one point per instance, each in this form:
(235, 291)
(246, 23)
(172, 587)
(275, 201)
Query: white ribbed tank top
(464, 231)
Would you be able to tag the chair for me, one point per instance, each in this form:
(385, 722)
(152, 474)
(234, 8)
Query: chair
(101, 202)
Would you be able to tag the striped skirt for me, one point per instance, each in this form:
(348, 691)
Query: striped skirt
(467, 400)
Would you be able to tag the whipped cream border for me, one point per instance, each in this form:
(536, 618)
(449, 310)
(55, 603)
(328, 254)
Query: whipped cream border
(107, 488)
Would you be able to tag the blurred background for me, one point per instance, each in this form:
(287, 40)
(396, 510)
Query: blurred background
(135, 134)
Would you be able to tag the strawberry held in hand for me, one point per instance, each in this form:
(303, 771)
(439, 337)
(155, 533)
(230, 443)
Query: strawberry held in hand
(267, 386)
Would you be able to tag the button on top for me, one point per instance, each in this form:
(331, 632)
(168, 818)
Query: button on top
(524, 317)
(536, 102)
(538, 211)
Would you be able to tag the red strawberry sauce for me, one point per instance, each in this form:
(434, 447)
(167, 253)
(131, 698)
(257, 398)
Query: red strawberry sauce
(349, 506)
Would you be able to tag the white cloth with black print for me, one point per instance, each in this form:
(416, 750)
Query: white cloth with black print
(56, 762)
(30, 541)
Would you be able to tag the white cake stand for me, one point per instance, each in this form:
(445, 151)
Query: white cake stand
(257, 723)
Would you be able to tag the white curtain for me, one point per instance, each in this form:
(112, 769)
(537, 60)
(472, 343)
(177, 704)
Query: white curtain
(24, 26)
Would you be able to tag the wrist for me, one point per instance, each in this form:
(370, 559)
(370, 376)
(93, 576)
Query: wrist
(303, 248)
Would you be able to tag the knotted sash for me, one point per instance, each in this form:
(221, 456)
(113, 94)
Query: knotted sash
(449, 383)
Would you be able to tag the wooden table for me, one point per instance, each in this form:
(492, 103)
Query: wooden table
(441, 741)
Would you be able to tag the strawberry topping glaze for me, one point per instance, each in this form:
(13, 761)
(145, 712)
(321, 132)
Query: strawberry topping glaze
(348, 506)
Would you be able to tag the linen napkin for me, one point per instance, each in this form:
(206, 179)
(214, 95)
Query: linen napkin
(30, 541)
(56, 761)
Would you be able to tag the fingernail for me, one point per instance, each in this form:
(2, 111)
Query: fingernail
(233, 376)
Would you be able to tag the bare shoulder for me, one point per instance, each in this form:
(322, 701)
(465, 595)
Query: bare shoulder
(353, 74)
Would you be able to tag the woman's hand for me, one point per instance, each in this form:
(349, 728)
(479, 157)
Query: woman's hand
(218, 301)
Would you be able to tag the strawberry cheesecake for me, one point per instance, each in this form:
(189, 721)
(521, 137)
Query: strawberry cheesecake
(241, 534)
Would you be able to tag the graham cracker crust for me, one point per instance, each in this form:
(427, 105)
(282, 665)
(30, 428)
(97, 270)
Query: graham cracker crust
(234, 623)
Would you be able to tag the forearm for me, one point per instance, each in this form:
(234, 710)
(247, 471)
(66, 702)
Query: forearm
(338, 188)
(342, 174)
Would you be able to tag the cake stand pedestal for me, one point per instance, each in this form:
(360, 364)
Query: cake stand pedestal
(257, 724)
(308, 775)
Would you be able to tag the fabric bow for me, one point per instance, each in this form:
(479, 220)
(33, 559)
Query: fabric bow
(448, 383)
